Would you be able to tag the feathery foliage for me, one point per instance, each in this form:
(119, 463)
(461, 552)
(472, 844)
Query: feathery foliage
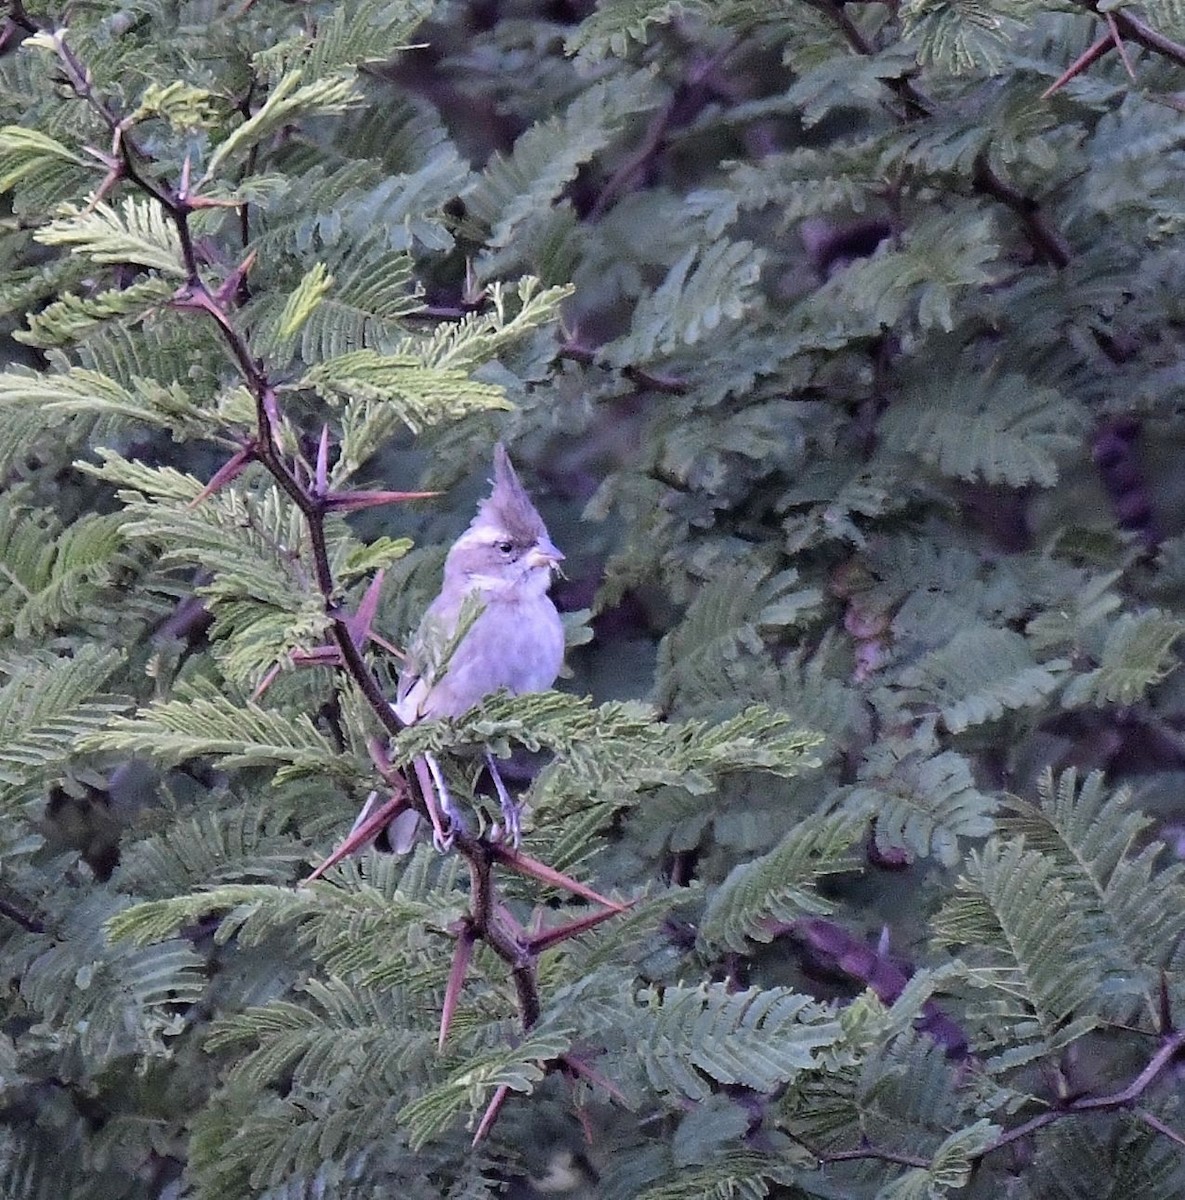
(840, 345)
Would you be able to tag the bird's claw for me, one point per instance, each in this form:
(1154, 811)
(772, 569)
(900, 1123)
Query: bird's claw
(443, 839)
(512, 815)
(446, 818)
(511, 811)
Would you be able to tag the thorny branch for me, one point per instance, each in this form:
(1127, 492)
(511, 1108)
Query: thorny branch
(670, 385)
(1125, 1098)
(484, 921)
(1135, 30)
(265, 448)
(685, 97)
(1042, 234)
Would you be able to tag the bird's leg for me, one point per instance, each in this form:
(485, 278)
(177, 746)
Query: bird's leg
(440, 803)
(511, 810)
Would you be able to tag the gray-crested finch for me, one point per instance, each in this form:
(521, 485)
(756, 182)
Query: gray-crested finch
(500, 569)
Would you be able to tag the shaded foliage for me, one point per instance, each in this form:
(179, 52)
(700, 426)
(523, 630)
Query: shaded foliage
(840, 344)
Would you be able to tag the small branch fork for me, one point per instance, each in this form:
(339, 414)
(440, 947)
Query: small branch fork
(1045, 238)
(1122, 27)
(1170, 1050)
(852, 956)
(307, 489)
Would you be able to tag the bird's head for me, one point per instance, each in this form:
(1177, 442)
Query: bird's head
(506, 547)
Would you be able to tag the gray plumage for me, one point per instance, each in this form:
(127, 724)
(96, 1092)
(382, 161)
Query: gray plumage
(504, 562)
(501, 566)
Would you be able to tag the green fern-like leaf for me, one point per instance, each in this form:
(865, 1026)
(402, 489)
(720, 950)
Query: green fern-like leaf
(211, 849)
(738, 1175)
(137, 232)
(1130, 1161)
(49, 575)
(1137, 654)
(303, 302)
(76, 390)
(723, 626)
(759, 1038)
(71, 317)
(1001, 429)
(287, 100)
(921, 800)
(517, 187)
(415, 394)
(174, 731)
(905, 1092)
(960, 36)
(981, 674)
(362, 31)
(327, 1034)
(618, 23)
(384, 902)
(512, 312)
(634, 748)
(704, 288)
(949, 1169)
(262, 605)
(1029, 944)
(519, 1068)
(1169, 17)
(779, 886)
(918, 281)
(47, 706)
(108, 1001)
(24, 152)
(797, 184)
(445, 354)
(372, 290)
(1136, 911)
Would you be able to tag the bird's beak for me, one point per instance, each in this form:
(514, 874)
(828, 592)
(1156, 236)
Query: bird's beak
(544, 554)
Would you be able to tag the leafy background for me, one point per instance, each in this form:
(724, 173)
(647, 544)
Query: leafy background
(841, 345)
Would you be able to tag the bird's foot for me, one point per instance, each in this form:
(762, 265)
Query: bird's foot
(512, 811)
(442, 805)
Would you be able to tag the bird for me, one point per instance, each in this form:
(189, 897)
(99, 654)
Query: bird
(495, 596)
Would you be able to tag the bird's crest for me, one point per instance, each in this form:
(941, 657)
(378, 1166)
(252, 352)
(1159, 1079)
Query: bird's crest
(508, 507)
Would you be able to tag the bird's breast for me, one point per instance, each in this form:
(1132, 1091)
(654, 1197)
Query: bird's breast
(518, 646)
(527, 639)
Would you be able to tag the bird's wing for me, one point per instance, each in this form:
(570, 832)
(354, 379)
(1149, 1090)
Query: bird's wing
(412, 689)
(421, 671)
(410, 695)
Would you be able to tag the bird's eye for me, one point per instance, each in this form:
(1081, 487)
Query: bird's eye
(504, 547)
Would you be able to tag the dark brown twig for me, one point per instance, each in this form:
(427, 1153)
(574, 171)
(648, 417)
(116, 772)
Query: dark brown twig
(1135, 30)
(1087, 58)
(1042, 234)
(1113, 27)
(666, 384)
(656, 134)
(1125, 1098)
(264, 448)
(456, 978)
(491, 1113)
(1121, 27)
(873, 1152)
(19, 917)
(1154, 1122)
